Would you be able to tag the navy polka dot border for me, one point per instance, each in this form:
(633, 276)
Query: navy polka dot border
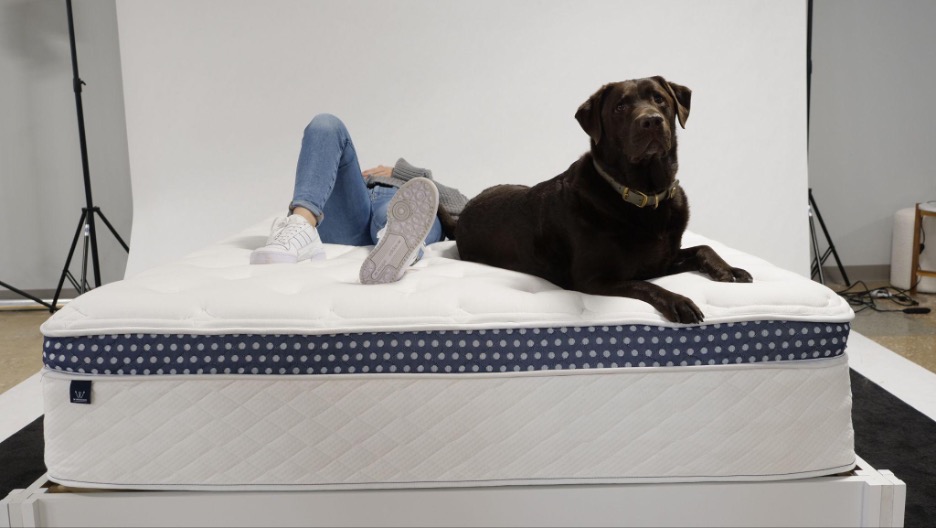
(451, 351)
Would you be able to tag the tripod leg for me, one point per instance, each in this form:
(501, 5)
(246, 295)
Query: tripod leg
(838, 261)
(71, 253)
(24, 294)
(112, 230)
(74, 283)
(817, 263)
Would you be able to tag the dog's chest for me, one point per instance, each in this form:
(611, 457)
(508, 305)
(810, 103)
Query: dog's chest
(638, 249)
(649, 255)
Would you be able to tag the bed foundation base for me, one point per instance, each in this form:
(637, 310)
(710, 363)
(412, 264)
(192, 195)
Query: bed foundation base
(863, 497)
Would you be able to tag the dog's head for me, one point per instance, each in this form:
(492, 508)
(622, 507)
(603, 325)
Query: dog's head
(636, 118)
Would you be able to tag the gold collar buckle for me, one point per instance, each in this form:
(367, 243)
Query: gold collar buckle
(645, 199)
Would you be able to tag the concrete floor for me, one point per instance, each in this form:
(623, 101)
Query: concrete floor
(912, 336)
(20, 345)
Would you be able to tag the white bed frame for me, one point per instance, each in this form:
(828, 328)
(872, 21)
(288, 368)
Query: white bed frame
(867, 497)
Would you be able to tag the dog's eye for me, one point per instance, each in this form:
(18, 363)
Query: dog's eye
(620, 107)
(657, 98)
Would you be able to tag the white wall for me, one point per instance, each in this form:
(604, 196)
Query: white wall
(41, 189)
(218, 92)
(873, 123)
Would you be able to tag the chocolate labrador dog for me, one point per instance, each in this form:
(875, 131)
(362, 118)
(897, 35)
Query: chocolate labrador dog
(614, 218)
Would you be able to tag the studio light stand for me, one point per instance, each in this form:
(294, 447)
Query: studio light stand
(818, 258)
(86, 228)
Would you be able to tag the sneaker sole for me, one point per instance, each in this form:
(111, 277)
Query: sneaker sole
(410, 216)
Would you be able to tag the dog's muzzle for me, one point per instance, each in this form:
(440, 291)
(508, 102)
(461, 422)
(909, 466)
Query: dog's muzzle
(649, 135)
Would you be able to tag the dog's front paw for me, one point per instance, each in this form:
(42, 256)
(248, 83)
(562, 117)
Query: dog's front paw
(679, 309)
(732, 275)
(741, 275)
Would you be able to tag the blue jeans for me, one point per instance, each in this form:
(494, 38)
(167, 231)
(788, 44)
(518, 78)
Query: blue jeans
(330, 184)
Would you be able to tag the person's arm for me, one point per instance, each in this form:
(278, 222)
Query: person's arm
(402, 171)
(381, 171)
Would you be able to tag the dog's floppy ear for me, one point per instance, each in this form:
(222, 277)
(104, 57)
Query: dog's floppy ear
(589, 114)
(681, 94)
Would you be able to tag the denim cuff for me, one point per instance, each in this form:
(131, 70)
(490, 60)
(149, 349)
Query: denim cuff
(316, 211)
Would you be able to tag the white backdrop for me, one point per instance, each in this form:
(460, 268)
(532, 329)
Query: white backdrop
(483, 92)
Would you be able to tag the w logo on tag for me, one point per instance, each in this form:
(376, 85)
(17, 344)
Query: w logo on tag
(80, 391)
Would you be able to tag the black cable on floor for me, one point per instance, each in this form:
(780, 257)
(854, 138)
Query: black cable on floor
(866, 298)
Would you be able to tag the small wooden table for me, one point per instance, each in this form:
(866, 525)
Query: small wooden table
(915, 272)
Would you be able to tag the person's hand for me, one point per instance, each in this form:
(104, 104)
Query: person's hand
(379, 171)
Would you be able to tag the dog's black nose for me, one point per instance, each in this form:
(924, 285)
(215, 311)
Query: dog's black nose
(651, 122)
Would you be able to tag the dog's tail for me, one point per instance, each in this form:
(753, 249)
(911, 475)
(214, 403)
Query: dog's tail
(449, 223)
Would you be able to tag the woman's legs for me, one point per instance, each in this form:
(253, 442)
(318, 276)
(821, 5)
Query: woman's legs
(330, 185)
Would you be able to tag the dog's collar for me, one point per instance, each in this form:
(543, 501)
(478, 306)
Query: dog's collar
(636, 197)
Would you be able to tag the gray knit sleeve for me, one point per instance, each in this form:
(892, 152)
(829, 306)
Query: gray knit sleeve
(450, 198)
(406, 172)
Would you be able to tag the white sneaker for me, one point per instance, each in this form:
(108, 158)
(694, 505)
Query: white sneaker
(410, 216)
(291, 240)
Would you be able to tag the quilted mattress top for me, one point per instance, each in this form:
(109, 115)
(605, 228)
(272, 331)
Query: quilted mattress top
(216, 291)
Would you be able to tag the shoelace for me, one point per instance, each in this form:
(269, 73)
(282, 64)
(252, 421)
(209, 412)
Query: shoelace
(286, 233)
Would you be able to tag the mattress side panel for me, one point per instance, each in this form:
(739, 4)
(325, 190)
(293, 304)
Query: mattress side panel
(720, 422)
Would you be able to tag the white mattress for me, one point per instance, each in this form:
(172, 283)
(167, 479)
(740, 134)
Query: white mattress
(209, 373)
